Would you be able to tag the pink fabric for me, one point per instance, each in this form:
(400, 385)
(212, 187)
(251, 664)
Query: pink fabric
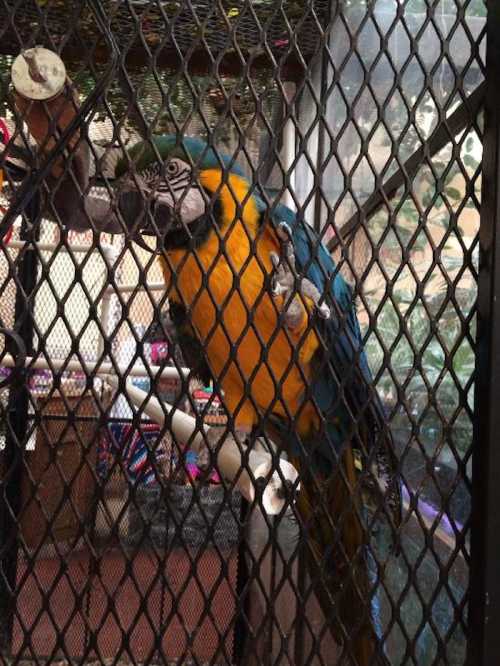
(5, 131)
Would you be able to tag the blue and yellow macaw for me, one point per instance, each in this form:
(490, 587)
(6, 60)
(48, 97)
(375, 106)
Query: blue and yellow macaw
(290, 361)
(259, 305)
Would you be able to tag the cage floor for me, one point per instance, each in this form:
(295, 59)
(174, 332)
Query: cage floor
(134, 599)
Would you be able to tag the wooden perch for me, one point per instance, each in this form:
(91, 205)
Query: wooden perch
(246, 468)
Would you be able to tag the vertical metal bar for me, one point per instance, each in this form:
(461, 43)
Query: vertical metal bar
(109, 254)
(18, 404)
(242, 581)
(272, 594)
(484, 605)
(300, 634)
(318, 202)
(289, 149)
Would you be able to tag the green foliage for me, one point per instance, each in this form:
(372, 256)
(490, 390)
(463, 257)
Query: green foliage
(420, 329)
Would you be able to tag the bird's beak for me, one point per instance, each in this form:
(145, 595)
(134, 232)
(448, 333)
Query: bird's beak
(144, 212)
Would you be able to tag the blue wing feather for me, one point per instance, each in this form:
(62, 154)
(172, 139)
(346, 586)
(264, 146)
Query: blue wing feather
(343, 386)
(341, 335)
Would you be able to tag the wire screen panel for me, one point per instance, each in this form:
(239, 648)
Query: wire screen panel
(355, 125)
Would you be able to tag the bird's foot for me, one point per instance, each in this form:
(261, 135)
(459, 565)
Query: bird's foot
(292, 288)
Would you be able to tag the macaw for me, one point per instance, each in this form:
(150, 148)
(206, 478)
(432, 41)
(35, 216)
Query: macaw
(260, 306)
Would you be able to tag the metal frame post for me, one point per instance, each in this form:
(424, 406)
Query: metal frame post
(18, 411)
(484, 604)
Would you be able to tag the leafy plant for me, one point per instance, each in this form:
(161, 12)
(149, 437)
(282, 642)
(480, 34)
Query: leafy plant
(425, 336)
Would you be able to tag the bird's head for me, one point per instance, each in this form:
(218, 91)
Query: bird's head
(177, 189)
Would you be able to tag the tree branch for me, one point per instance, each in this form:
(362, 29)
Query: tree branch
(438, 139)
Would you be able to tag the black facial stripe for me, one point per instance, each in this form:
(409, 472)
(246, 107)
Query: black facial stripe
(176, 184)
(168, 188)
(182, 175)
(186, 172)
(151, 173)
(177, 187)
(184, 180)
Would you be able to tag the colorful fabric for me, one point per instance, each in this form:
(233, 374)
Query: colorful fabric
(159, 352)
(192, 469)
(137, 449)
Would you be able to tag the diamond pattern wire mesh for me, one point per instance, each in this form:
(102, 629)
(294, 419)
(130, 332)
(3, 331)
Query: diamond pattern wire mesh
(114, 545)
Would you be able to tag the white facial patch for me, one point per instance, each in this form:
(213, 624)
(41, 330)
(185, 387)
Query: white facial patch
(175, 188)
(190, 208)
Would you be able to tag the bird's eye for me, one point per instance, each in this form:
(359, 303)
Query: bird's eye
(172, 169)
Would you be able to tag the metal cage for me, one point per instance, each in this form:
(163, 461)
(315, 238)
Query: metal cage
(198, 470)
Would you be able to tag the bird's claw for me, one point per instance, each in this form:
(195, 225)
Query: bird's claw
(286, 282)
(284, 232)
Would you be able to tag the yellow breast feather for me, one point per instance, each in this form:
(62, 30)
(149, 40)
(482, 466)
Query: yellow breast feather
(235, 318)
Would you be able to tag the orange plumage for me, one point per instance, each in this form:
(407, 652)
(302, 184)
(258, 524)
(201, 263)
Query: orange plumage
(264, 367)
(204, 279)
